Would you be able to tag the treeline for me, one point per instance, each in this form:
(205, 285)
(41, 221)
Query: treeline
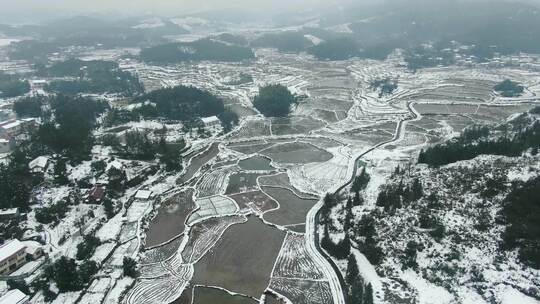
(463, 149)
(287, 42)
(94, 76)
(521, 212)
(335, 49)
(203, 49)
(12, 86)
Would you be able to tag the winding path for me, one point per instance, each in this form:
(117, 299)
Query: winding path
(337, 282)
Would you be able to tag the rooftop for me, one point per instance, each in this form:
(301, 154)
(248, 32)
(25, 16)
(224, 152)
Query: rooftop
(13, 296)
(10, 211)
(9, 248)
(39, 162)
(143, 194)
(210, 119)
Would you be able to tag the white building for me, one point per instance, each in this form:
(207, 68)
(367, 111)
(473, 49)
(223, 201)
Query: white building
(143, 194)
(14, 296)
(12, 256)
(39, 165)
(5, 145)
(211, 122)
(6, 214)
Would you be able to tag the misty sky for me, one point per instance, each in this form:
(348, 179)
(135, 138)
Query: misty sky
(26, 9)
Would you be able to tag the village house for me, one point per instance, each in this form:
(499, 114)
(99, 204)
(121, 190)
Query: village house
(5, 145)
(143, 195)
(14, 296)
(9, 214)
(211, 122)
(39, 165)
(12, 256)
(95, 195)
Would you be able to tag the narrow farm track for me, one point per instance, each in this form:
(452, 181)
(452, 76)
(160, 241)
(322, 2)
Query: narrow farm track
(337, 282)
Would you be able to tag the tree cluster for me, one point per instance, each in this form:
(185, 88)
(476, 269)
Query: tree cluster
(274, 100)
(394, 197)
(521, 213)
(509, 88)
(53, 213)
(95, 76)
(70, 133)
(357, 291)
(12, 86)
(69, 276)
(181, 103)
(87, 247)
(385, 86)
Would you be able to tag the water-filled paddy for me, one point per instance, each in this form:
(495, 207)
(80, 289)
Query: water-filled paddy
(243, 258)
(297, 153)
(293, 209)
(255, 163)
(170, 218)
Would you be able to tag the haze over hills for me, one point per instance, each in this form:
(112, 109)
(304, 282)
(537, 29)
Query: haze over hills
(270, 152)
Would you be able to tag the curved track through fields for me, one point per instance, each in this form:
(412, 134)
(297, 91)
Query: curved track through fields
(336, 280)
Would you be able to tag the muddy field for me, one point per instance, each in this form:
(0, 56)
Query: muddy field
(292, 210)
(170, 218)
(198, 161)
(242, 259)
(255, 163)
(297, 153)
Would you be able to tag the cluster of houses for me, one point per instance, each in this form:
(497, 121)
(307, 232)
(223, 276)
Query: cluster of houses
(14, 254)
(12, 130)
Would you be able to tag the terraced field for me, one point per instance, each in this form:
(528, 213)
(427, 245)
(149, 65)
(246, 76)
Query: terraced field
(250, 228)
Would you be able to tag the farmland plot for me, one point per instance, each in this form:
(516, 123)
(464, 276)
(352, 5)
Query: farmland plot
(160, 290)
(294, 261)
(282, 180)
(257, 201)
(302, 291)
(295, 125)
(170, 218)
(198, 161)
(212, 206)
(253, 128)
(242, 259)
(257, 163)
(214, 182)
(292, 210)
(324, 175)
(249, 148)
(242, 182)
(204, 236)
(296, 153)
(161, 253)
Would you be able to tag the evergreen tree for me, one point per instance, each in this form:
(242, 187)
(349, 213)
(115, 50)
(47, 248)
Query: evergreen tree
(417, 191)
(129, 267)
(352, 273)
(60, 175)
(368, 294)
